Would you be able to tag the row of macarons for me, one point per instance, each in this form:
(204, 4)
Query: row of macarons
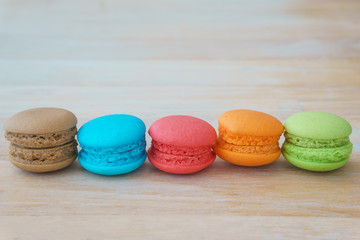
(43, 140)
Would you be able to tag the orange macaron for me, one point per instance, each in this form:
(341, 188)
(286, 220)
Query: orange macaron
(248, 138)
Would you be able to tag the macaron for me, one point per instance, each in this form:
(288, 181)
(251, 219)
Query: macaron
(248, 138)
(181, 144)
(112, 144)
(317, 141)
(42, 139)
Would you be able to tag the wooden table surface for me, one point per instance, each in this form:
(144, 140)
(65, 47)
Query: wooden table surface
(200, 58)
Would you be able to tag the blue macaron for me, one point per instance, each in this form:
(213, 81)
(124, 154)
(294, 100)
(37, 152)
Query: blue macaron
(112, 144)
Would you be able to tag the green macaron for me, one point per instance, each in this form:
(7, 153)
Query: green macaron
(317, 141)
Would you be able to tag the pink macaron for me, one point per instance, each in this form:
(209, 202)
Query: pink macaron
(181, 144)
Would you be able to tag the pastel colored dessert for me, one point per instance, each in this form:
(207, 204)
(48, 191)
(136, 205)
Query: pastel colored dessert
(112, 144)
(248, 138)
(317, 141)
(42, 139)
(181, 144)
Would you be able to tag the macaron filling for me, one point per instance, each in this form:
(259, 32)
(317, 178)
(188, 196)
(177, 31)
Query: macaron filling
(168, 158)
(42, 140)
(321, 155)
(247, 140)
(36, 156)
(315, 143)
(115, 159)
(180, 150)
(115, 150)
(247, 144)
(248, 149)
(114, 156)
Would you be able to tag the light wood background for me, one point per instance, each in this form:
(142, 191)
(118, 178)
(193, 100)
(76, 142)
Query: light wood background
(201, 58)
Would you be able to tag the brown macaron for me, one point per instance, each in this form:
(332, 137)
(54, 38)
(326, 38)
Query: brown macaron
(42, 139)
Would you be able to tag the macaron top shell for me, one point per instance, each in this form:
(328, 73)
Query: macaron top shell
(317, 125)
(111, 131)
(243, 122)
(181, 130)
(40, 121)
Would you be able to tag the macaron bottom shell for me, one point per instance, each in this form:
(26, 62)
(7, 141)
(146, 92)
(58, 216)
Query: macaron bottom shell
(314, 166)
(113, 169)
(244, 159)
(174, 163)
(41, 168)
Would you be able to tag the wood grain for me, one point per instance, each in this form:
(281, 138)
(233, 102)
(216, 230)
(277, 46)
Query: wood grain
(201, 58)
